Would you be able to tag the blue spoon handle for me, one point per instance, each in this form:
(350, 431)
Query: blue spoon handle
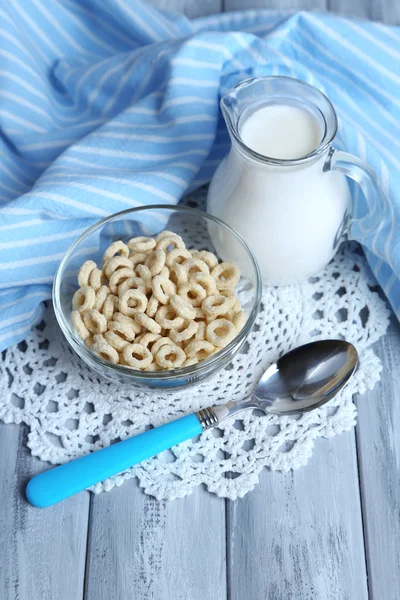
(61, 482)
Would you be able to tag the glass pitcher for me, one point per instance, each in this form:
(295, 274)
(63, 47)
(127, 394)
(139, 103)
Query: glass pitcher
(292, 212)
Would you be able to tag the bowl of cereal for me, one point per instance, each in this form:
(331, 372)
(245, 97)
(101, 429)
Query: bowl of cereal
(157, 296)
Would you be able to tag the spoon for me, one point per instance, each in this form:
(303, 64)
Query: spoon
(301, 380)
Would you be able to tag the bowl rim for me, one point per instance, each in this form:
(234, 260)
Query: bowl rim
(171, 374)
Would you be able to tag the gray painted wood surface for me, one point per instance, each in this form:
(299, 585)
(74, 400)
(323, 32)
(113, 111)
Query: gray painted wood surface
(328, 531)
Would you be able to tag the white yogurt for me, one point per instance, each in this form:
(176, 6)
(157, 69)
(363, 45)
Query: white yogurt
(290, 216)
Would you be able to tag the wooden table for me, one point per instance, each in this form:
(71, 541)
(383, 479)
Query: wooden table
(327, 531)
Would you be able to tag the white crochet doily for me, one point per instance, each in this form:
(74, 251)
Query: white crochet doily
(71, 411)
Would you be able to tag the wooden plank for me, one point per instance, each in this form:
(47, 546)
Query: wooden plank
(145, 549)
(42, 551)
(378, 443)
(190, 8)
(276, 4)
(299, 535)
(387, 11)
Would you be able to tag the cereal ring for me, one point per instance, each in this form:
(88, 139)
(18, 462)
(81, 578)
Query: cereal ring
(195, 265)
(138, 258)
(192, 292)
(83, 299)
(149, 338)
(152, 306)
(206, 281)
(182, 307)
(132, 302)
(106, 352)
(201, 332)
(200, 314)
(89, 341)
(177, 255)
(164, 272)
(220, 332)
(167, 318)
(226, 275)
(137, 356)
(85, 271)
(218, 305)
(125, 330)
(95, 321)
(186, 332)
(239, 320)
(156, 261)
(191, 361)
(163, 234)
(163, 288)
(178, 274)
(147, 322)
(159, 343)
(110, 306)
(79, 326)
(119, 277)
(99, 338)
(115, 341)
(170, 356)
(208, 257)
(153, 367)
(170, 240)
(141, 244)
(145, 275)
(101, 296)
(96, 279)
(132, 283)
(201, 349)
(120, 318)
(117, 247)
(116, 263)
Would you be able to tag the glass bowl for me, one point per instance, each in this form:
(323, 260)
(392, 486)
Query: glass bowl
(199, 230)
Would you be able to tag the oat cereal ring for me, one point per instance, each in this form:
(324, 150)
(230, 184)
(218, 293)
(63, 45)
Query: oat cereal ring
(110, 306)
(131, 302)
(132, 283)
(89, 341)
(163, 288)
(116, 263)
(137, 356)
(85, 271)
(192, 292)
(152, 306)
(191, 361)
(115, 341)
(184, 333)
(220, 332)
(147, 322)
(200, 314)
(119, 277)
(101, 296)
(117, 247)
(96, 279)
(125, 330)
(95, 321)
(159, 343)
(99, 338)
(182, 307)
(201, 332)
(120, 318)
(170, 356)
(218, 305)
(206, 281)
(178, 256)
(84, 299)
(226, 275)
(167, 318)
(145, 276)
(178, 274)
(141, 244)
(106, 352)
(201, 349)
(239, 320)
(195, 265)
(152, 367)
(156, 261)
(79, 326)
(164, 272)
(170, 240)
(208, 257)
(149, 338)
(138, 258)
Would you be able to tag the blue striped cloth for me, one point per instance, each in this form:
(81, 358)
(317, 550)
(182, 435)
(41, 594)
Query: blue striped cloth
(110, 104)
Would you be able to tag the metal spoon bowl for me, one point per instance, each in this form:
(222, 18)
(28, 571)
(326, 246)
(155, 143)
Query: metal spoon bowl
(301, 380)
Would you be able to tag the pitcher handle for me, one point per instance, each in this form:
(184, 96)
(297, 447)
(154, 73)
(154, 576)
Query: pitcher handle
(358, 170)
